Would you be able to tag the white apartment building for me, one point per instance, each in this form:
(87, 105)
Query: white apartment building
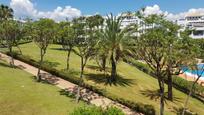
(194, 22)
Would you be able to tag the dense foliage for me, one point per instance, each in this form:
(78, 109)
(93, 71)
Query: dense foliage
(97, 111)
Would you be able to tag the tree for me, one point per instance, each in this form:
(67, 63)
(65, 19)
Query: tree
(6, 13)
(180, 52)
(95, 24)
(11, 34)
(67, 36)
(196, 51)
(164, 51)
(200, 73)
(43, 32)
(85, 44)
(152, 47)
(116, 42)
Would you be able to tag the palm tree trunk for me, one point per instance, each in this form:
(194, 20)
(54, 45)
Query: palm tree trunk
(188, 97)
(81, 80)
(113, 70)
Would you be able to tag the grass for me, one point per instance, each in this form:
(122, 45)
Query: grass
(21, 95)
(134, 85)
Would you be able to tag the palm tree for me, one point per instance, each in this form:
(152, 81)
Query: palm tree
(116, 42)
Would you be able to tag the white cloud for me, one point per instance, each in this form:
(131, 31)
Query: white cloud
(199, 11)
(155, 9)
(25, 8)
(152, 10)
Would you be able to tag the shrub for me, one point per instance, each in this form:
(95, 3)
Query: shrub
(93, 110)
(113, 111)
(139, 107)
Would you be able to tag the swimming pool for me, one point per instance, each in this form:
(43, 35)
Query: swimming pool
(199, 71)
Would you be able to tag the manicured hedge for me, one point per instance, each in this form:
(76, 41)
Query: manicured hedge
(138, 107)
(93, 110)
(178, 83)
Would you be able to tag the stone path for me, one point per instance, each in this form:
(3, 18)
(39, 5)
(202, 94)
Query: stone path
(87, 95)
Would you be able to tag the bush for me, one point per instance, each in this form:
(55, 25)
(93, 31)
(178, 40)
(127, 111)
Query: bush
(113, 111)
(93, 110)
(141, 66)
(138, 107)
(88, 111)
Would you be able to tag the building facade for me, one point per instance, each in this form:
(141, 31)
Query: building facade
(193, 22)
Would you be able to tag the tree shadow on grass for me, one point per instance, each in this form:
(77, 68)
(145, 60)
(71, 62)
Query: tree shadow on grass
(93, 67)
(47, 79)
(179, 110)
(155, 95)
(85, 94)
(66, 93)
(102, 79)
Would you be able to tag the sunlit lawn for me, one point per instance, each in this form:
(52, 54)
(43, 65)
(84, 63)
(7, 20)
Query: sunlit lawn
(21, 95)
(133, 85)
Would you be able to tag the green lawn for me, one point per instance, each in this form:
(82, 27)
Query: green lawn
(133, 85)
(21, 95)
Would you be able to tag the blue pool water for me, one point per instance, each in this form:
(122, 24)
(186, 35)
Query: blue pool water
(199, 71)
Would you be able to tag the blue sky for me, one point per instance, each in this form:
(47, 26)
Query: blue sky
(89, 7)
(106, 6)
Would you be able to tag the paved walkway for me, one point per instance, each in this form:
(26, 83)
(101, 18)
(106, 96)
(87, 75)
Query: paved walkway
(87, 95)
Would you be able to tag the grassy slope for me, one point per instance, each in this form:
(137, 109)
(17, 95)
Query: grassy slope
(134, 84)
(20, 95)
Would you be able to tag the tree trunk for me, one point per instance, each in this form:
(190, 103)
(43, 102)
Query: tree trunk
(40, 66)
(161, 89)
(113, 70)
(11, 59)
(104, 63)
(81, 80)
(162, 96)
(188, 97)
(170, 92)
(68, 56)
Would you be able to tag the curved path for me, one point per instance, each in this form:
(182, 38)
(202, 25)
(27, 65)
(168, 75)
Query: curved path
(87, 95)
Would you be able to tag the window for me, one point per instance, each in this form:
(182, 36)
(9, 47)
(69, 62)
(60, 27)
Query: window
(198, 33)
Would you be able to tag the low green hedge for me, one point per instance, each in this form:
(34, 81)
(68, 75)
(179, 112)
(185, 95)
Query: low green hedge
(93, 110)
(138, 107)
(178, 83)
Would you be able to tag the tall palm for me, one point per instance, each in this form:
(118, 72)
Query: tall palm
(5, 12)
(116, 42)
